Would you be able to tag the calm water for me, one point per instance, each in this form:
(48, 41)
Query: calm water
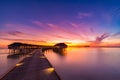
(6, 63)
(86, 63)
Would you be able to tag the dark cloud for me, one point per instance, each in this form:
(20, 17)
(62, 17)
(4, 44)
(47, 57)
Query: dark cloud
(99, 39)
(14, 33)
(19, 33)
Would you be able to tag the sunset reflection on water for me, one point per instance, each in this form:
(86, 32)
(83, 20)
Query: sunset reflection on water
(87, 63)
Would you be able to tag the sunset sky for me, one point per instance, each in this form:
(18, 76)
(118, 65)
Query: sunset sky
(51, 21)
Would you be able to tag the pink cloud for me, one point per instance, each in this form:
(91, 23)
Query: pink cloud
(82, 15)
(77, 31)
(50, 33)
(23, 40)
(38, 23)
(74, 25)
(54, 30)
(27, 32)
(3, 33)
(18, 33)
(22, 28)
(58, 28)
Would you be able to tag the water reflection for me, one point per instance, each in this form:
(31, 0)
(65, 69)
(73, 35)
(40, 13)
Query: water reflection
(5, 62)
(60, 51)
(13, 57)
(87, 63)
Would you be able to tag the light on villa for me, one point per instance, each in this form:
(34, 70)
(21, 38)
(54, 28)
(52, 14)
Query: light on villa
(42, 57)
(28, 55)
(19, 64)
(48, 70)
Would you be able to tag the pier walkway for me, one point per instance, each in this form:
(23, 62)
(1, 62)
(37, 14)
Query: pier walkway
(34, 67)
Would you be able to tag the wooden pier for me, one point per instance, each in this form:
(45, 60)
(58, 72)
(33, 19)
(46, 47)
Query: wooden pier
(34, 67)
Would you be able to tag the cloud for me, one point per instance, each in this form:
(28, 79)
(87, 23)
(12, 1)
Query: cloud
(83, 15)
(29, 30)
(3, 33)
(19, 27)
(17, 33)
(99, 39)
(41, 25)
(52, 32)
(38, 23)
(92, 30)
(23, 40)
(83, 30)
(70, 31)
(62, 30)
(102, 37)
(62, 37)
(14, 33)
(74, 25)
(116, 34)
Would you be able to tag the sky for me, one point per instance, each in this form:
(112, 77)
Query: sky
(95, 22)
